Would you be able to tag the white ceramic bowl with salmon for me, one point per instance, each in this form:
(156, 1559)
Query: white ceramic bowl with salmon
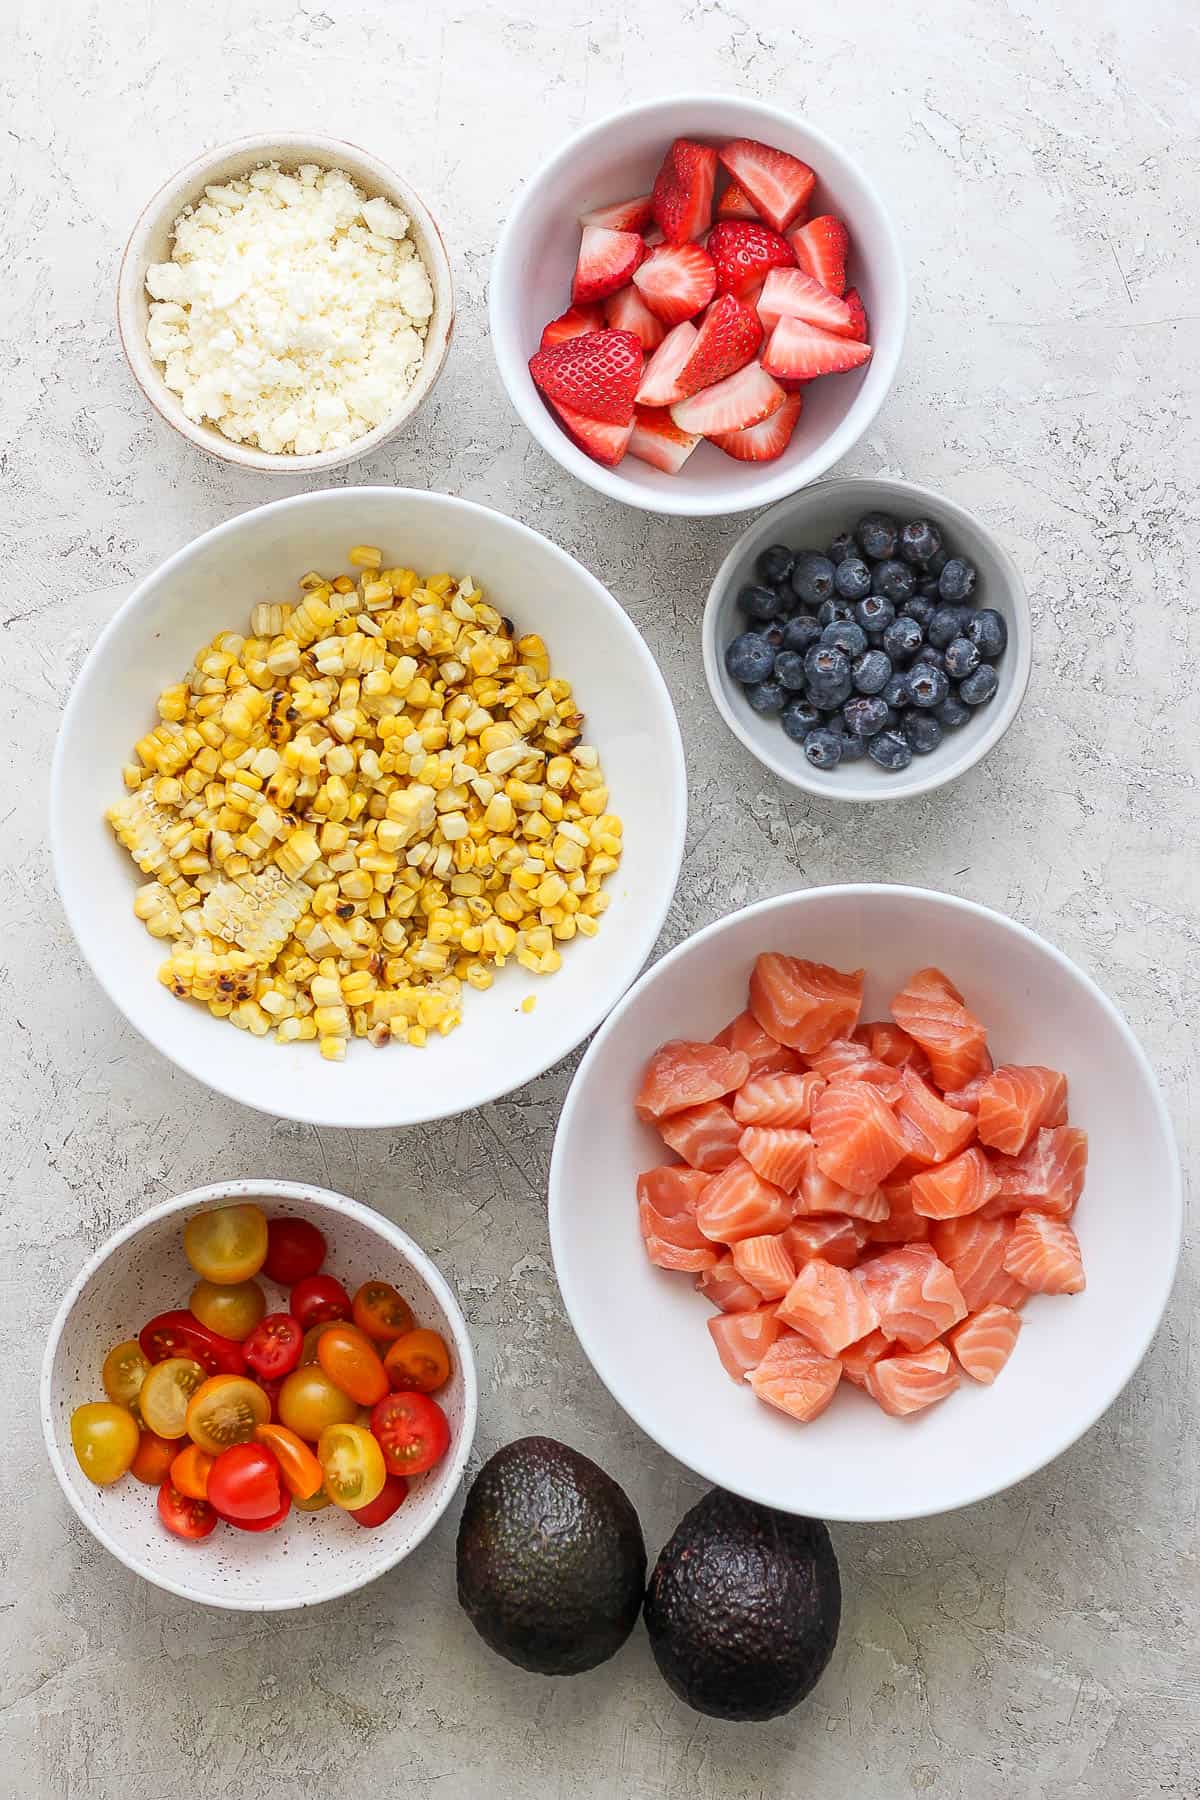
(618, 157)
(644, 1328)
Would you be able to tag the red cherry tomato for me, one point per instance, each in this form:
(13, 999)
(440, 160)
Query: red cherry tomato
(153, 1460)
(267, 1524)
(318, 1300)
(187, 1518)
(245, 1482)
(180, 1333)
(391, 1496)
(273, 1348)
(412, 1430)
(294, 1249)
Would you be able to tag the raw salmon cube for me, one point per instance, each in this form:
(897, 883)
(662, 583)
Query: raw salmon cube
(796, 1378)
(901, 1224)
(847, 1060)
(887, 1043)
(962, 1185)
(765, 1056)
(818, 1194)
(984, 1342)
(914, 1294)
(725, 1288)
(776, 1153)
(705, 1136)
(743, 1338)
(682, 1074)
(934, 1131)
(738, 1204)
(777, 1099)
(858, 1358)
(857, 1135)
(674, 1243)
(973, 1248)
(1048, 1175)
(828, 1307)
(671, 1188)
(931, 1009)
(1015, 1101)
(906, 1384)
(1043, 1254)
(804, 1004)
(766, 1264)
(966, 1098)
(835, 1240)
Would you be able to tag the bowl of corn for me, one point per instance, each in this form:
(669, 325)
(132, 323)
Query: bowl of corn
(367, 806)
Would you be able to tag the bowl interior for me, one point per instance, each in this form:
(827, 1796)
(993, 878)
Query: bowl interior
(211, 586)
(809, 521)
(1073, 1355)
(536, 258)
(314, 1556)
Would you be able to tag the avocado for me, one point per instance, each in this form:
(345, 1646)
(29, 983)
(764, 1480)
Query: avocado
(743, 1608)
(551, 1558)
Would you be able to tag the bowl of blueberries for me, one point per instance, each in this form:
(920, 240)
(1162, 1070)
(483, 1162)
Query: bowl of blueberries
(867, 640)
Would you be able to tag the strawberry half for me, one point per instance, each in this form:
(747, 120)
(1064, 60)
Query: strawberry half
(744, 253)
(859, 328)
(683, 191)
(658, 440)
(605, 443)
(627, 311)
(660, 383)
(676, 282)
(740, 400)
(820, 248)
(792, 293)
(606, 261)
(625, 215)
(766, 440)
(728, 337)
(733, 204)
(801, 351)
(577, 321)
(779, 185)
(596, 375)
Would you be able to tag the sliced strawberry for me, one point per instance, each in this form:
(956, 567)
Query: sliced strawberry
(577, 321)
(652, 237)
(740, 400)
(625, 215)
(627, 311)
(597, 375)
(743, 254)
(660, 383)
(676, 282)
(792, 293)
(729, 335)
(766, 440)
(683, 191)
(733, 204)
(778, 184)
(657, 439)
(859, 330)
(801, 351)
(820, 248)
(605, 443)
(606, 261)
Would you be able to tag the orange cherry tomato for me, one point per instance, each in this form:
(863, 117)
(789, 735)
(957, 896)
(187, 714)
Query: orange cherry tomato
(190, 1470)
(419, 1360)
(352, 1465)
(351, 1363)
(309, 1401)
(153, 1459)
(228, 1244)
(224, 1410)
(381, 1312)
(299, 1467)
(231, 1309)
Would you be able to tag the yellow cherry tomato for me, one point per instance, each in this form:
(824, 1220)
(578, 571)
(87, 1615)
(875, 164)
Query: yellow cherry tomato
(228, 1244)
(308, 1401)
(314, 1503)
(104, 1437)
(312, 1338)
(232, 1311)
(224, 1410)
(125, 1368)
(352, 1464)
(165, 1395)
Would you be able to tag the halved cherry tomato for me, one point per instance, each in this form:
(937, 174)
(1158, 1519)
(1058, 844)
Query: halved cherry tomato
(245, 1483)
(231, 1310)
(125, 1368)
(308, 1402)
(413, 1432)
(418, 1362)
(153, 1460)
(180, 1333)
(104, 1437)
(270, 1522)
(351, 1363)
(273, 1347)
(352, 1465)
(299, 1467)
(166, 1392)
(227, 1244)
(315, 1503)
(294, 1249)
(390, 1497)
(185, 1516)
(190, 1470)
(224, 1410)
(381, 1312)
(318, 1300)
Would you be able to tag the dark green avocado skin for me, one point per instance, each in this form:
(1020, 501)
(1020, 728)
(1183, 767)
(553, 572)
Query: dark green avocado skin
(743, 1608)
(551, 1558)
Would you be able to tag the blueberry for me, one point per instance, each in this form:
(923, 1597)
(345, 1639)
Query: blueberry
(957, 579)
(921, 608)
(875, 614)
(952, 713)
(789, 668)
(812, 578)
(827, 670)
(902, 639)
(878, 535)
(842, 546)
(798, 718)
(927, 654)
(775, 563)
(830, 611)
(927, 686)
(872, 672)
(845, 635)
(801, 633)
(987, 630)
(979, 687)
(896, 691)
(823, 748)
(760, 602)
(922, 732)
(895, 579)
(946, 623)
(919, 540)
(853, 748)
(750, 658)
(767, 696)
(937, 563)
(866, 715)
(773, 636)
(852, 578)
(962, 657)
(890, 750)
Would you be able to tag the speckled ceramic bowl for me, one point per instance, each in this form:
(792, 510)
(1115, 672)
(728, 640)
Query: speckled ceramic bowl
(313, 1557)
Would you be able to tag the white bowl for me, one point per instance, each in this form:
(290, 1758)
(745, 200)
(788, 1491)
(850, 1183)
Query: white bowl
(809, 521)
(150, 242)
(644, 1329)
(618, 157)
(142, 1271)
(210, 586)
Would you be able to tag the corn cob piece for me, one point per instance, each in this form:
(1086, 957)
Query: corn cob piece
(257, 912)
(210, 975)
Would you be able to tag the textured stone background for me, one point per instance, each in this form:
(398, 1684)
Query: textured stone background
(1041, 159)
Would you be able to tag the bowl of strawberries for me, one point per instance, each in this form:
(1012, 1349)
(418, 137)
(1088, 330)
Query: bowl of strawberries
(698, 305)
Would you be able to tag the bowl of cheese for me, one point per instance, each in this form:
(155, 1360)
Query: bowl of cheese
(286, 303)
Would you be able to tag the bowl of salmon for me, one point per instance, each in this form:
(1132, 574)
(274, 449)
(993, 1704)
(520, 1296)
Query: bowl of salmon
(858, 1161)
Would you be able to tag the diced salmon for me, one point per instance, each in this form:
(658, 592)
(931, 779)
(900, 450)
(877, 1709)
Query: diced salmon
(777, 1099)
(766, 1264)
(796, 1378)
(984, 1342)
(682, 1074)
(764, 1054)
(1015, 1101)
(674, 1241)
(828, 1306)
(738, 1204)
(914, 1294)
(973, 1248)
(857, 1135)
(962, 1185)
(846, 1060)
(933, 1130)
(1048, 1175)
(931, 1009)
(966, 1098)
(777, 1153)
(1043, 1254)
(743, 1338)
(889, 1044)
(900, 1224)
(858, 1358)
(906, 1384)
(705, 1136)
(726, 1289)
(819, 1194)
(671, 1188)
(837, 1240)
(804, 1004)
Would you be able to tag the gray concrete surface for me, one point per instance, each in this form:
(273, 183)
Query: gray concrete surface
(1041, 159)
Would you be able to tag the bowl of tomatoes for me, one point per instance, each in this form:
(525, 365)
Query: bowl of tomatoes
(259, 1395)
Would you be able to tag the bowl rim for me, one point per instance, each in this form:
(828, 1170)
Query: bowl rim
(700, 1461)
(172, 194)
(645, 925)
(329, 1200)
(751, 492)
(926, 774)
